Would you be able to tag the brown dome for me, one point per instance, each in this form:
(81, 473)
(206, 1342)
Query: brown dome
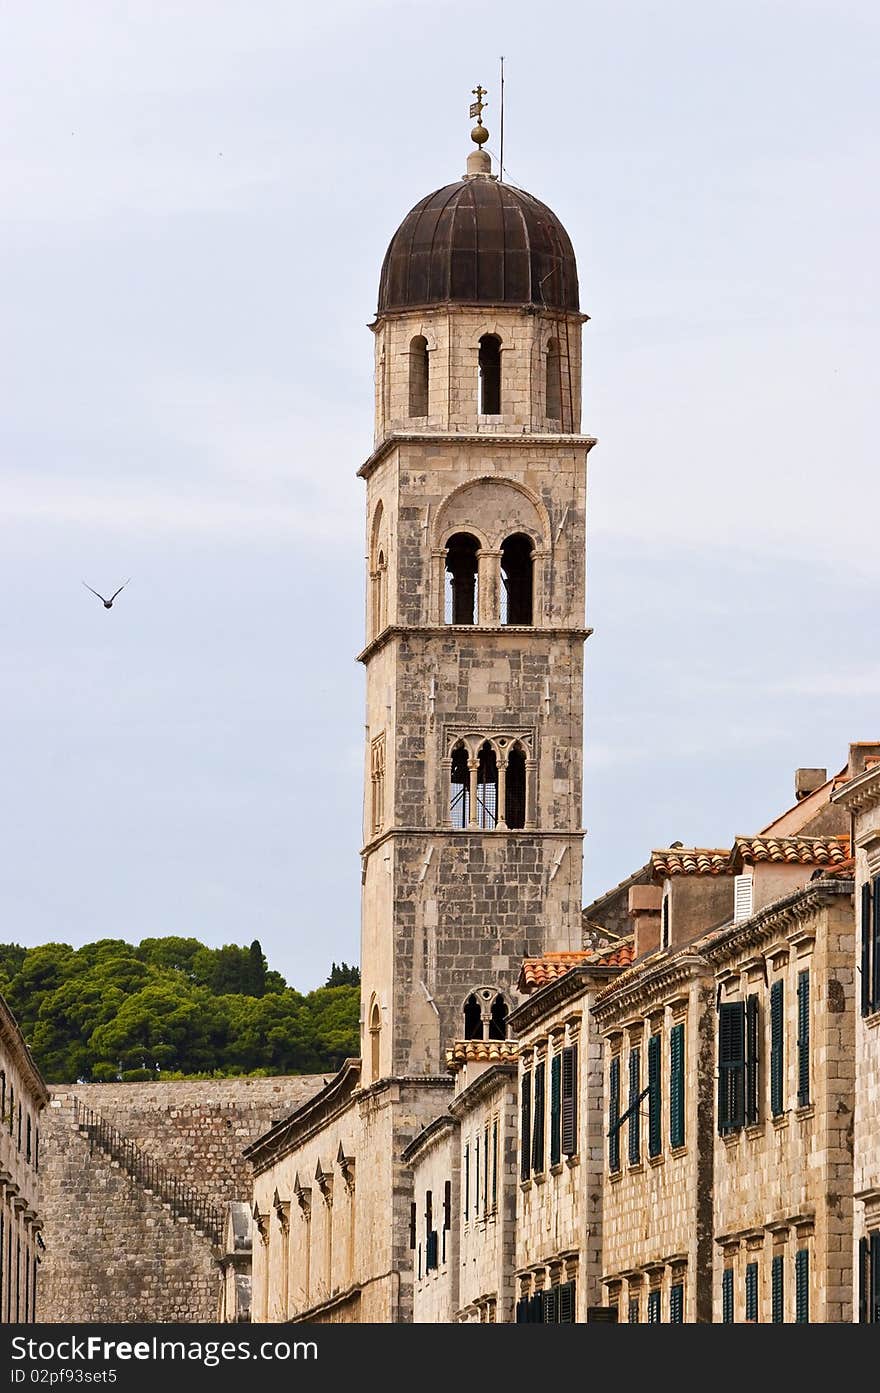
(479, 242)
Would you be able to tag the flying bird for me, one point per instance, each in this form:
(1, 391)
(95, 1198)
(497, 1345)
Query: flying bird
(108, 604)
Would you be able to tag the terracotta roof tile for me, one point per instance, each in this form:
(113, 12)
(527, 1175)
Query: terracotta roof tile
(481, 1052)
(537, 972)
(691, 861)
(843, 870)
(794, 851)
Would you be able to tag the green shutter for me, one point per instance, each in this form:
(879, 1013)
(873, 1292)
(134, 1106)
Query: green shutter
(676, 1086)
(676, 1304)
(751, 1291)
(538, 1124)
(875, 949)
(467, 1182)
(777, 1022)
(495, 1164)
(803, 1042)
(556, 1110)
(731, 1065)
(727, 1296)
(614, 1114)
(522, 1307)
(476, 1175)
(654, 1307)
(867, 936)
(633, 1311)
(486, 1169)
(551, 1306)
(874, 1283)
(802, 1286)
(655, 1128)
(412, 1225)
(566, 1303)
(751, 1074)
(635, 1131)
(569, 1100)
(525, 1128)
(863, 1274)
(777, 1272)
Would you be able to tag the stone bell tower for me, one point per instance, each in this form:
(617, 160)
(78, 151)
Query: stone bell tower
(476, 502)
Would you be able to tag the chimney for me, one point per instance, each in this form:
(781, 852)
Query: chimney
(806, 781)
(644, 911)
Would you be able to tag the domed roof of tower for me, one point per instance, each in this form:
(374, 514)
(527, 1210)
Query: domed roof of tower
(481, 242)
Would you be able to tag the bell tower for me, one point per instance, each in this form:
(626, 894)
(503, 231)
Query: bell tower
(475, 541)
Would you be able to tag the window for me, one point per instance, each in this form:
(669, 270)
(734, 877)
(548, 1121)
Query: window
(538, 1125)
(412, 1224)
(525, 1127)
(614, 1114)
(567, 1303)
(431, 1262)
(460, 789)
(467, 1183)
(727, 1296)
(676, 1303)
(375, 1034)
(869, 1279)
(486, 1169)
(553, 381)
(551, 1305)
(28, 1138)
(777, 1289)
(654, 1100)
(556, 1110)
(2, 1094)
(742, 897)
(517, 579)
(751, 1291)
(487, 787)
(731, 1066)
(377, 784)
(380, 594)
(477, 1176)
(569, 1100)
(18, 1142)
(654, 1306)
(633, 1311)
(870, 954)
(498, 1019)
(664, 922)
(490, 375)
(36, 1148)
(418, 376)
(473, 1021)
(803, 1038)
(11, 1109)
(494, 1165)
(485, 1015)
(777, 1103)
(751, 1072)
(802, 1286)
(461, 579)
(635, 1131)
(676, 1085)
(515, 788)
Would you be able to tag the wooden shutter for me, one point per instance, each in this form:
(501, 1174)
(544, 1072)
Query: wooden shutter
(803, 1042)
(536, 1307)
(654, 1307)
(867, 938)
(777, 1023)
(525, 1127)
(676, 1085)
(635, 1130)
(751, 1079)
(566, 1303)
(556, 1110)
(777, 1285)
(802, 1286)
(538, 1122)
(569, 1100)
(875, 949)
(412, 1225)
(727, 1296)
(486, 1169)
(676, 1304)
(467, 1182)
(447, 1204)
(522, 1307)
(742, 898)
(751, 1291)
(614, 1114)
(495, 1164)
(874, 1284)
(551, 1306)
(731, 1065)
(632, 1314)
(655, 1128)
(863, 1275)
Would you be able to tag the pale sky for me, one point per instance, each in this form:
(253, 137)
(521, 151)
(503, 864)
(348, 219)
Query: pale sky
(197, 199)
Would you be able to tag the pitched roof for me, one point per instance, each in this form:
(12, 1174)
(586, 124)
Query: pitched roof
(803, 851)
(537, 972)
(844, 870)
(480, 1052)
(680, 860)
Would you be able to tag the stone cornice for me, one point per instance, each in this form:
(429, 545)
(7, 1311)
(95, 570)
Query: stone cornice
(530, 439)
(780, 917)
(310, 1117)
(861, 792)
(16, 1047)
(546, 1000)
(495, 832)
(645, 985)
(482, 1085)
(441, 1124)
(519, 631)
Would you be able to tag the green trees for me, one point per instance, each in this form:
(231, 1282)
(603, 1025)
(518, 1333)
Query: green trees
(115, 1010)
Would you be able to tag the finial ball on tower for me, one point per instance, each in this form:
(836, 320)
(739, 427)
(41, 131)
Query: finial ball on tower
(479, 135)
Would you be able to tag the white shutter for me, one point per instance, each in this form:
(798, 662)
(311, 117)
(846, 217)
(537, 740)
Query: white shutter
(742, 898)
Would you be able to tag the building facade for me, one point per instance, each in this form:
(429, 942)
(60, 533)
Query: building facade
(23, 1096)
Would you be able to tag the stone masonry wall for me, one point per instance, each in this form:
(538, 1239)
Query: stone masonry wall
(113, 1251)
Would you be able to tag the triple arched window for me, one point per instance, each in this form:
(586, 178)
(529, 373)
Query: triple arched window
(516, 603)
(487, 784)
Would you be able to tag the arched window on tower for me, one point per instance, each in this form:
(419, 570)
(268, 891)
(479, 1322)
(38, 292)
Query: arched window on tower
(553, 384)
(487, 787)
(375, 1034)
(498, 1019)
(490, 375)
(461, 579)
(473, 1019)
(517, 580)
(381, 594)
(515, 789)
(418, 376)
(460, 793)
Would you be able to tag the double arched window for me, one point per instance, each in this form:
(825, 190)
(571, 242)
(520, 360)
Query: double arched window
(487, 784)
(485, 1015)
(462, 580)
